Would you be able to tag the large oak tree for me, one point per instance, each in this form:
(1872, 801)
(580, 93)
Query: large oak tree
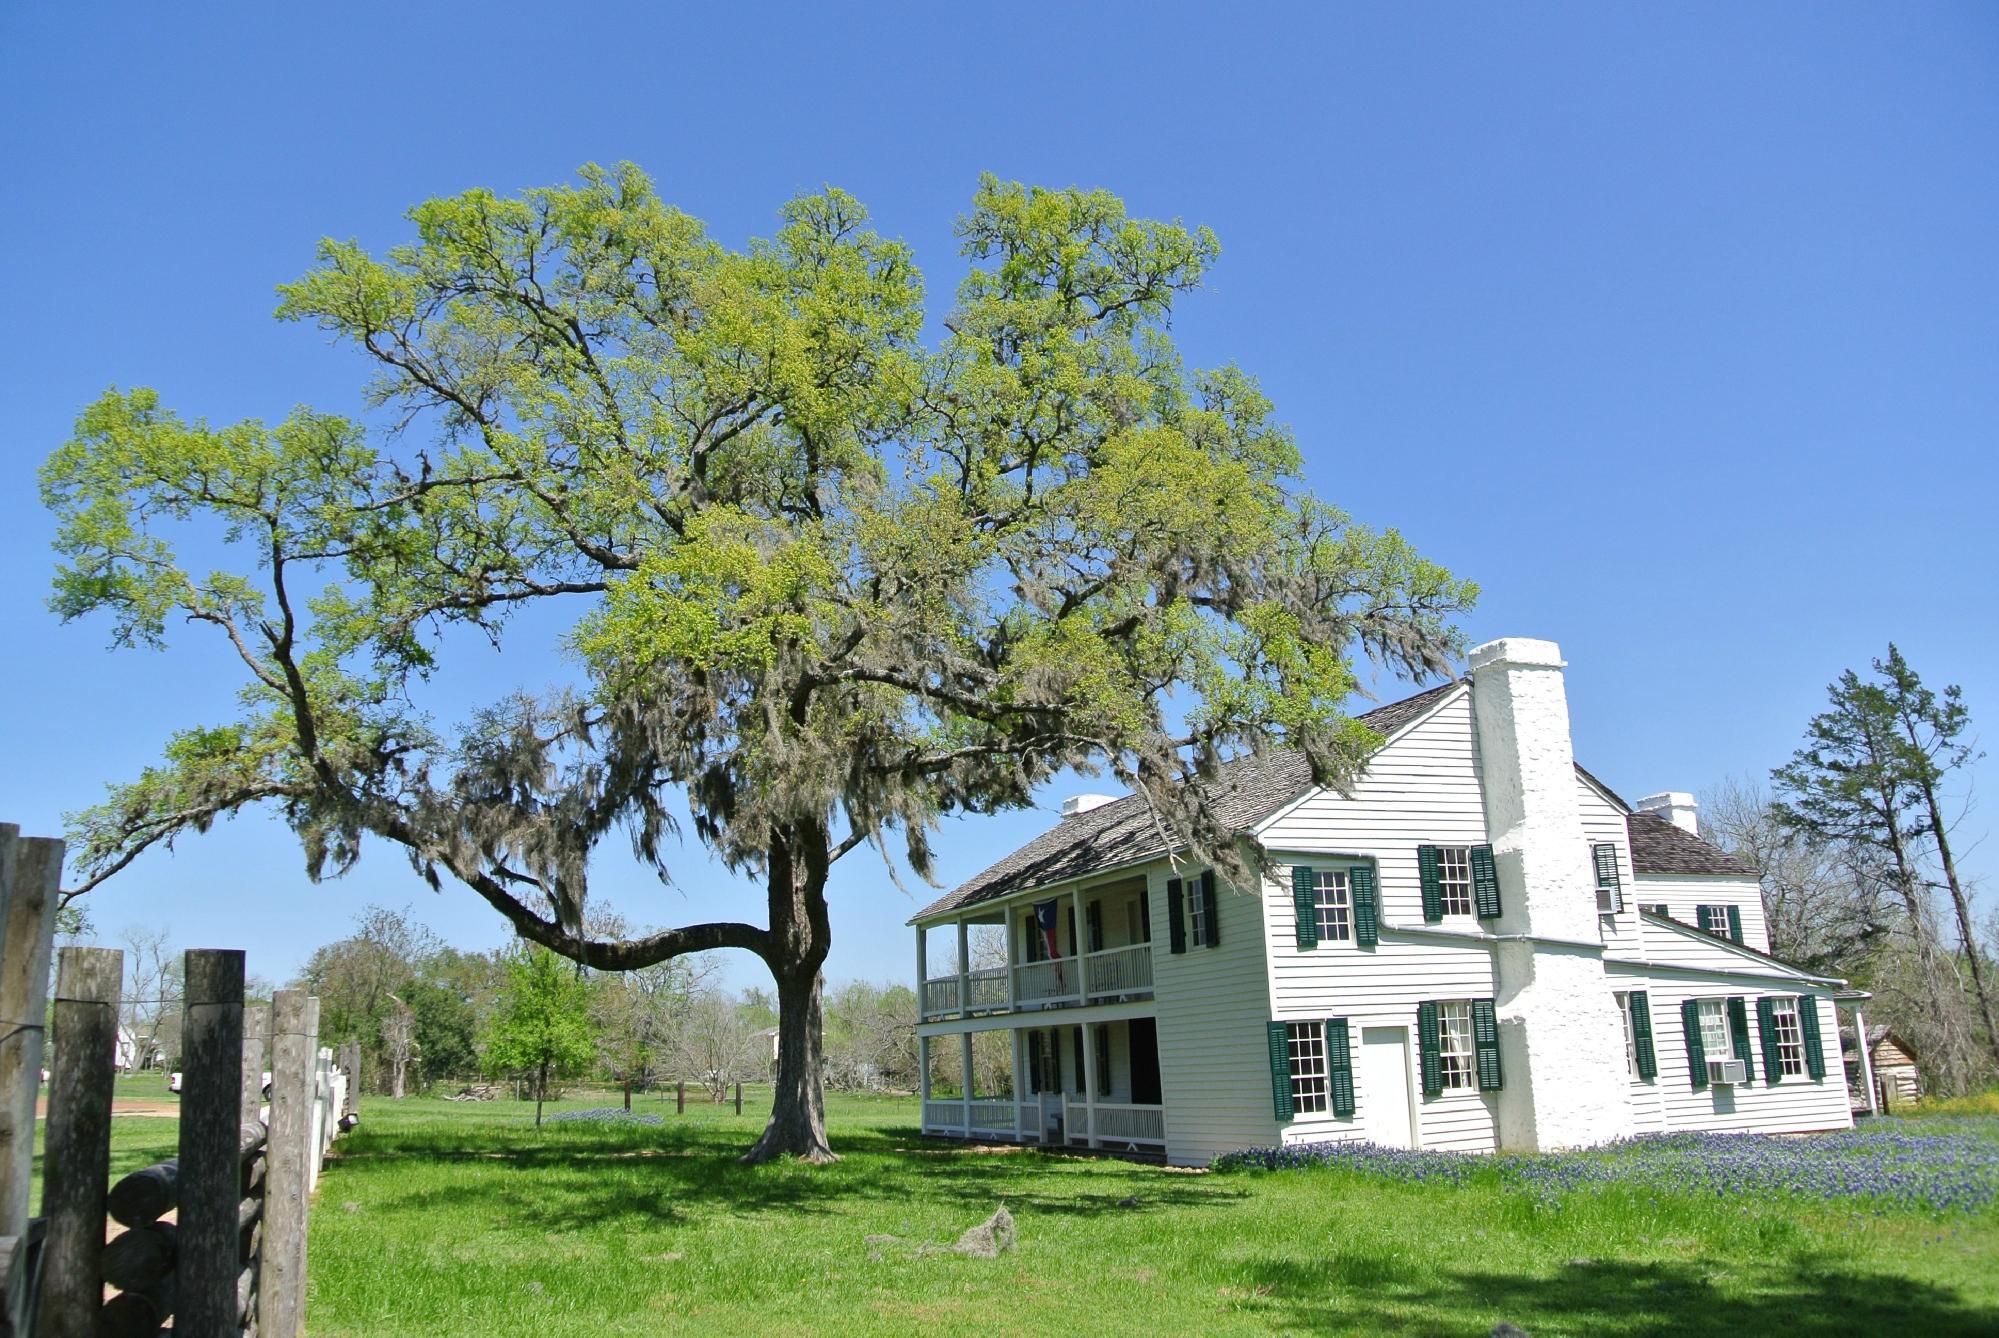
(830, 578)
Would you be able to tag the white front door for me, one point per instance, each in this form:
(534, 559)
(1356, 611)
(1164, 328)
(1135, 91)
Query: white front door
(1384, 1086)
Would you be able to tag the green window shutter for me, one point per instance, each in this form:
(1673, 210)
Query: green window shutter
(1176, 923)
(1305, 900)
(1738, 1032)
(1433, 883)
(1055, 1062)
(1366, 905)
(1766, 1029)
(1033, 1062)
(1280, 1071)
(1605, 858)
(1103, 1060)
(1484, 882)
(1031, 938)
(1093, 921)
(1145, 915)
(1485, 1044)
(1808, 1024)
(1661, 910)
(1069, 917)
(1700, 919)
(1211, 911)
(1082, 1070)
(1431, 1046)
(1339, 1067)
(1735, 923)
(1641, 1035)
(1690, 1018)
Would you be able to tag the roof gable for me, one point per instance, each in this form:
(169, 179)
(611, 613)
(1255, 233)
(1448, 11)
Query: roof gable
(1124, 831)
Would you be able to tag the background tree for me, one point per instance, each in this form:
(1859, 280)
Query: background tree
(637, 1014)
(871, 1036)
(541, 1028)
(829, 584)
(1851, 787)
(716, 1044)
(1823, 902)
(358, 979)
(152, 998)
(1932, 731)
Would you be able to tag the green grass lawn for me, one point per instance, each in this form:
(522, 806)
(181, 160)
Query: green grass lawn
(439, 1217)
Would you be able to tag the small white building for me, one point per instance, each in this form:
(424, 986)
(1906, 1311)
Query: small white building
(1478, 946)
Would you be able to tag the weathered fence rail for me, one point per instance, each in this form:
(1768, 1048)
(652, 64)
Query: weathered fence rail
(212, 1240)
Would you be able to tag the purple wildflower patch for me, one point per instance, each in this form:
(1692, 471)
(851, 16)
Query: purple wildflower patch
(1891, 1163)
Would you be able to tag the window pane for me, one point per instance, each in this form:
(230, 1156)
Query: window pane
(1335, 908)
(1454, 878)
(1714, 1030)
(1307, 1042)
(1790, 1038)
(1454, 1050)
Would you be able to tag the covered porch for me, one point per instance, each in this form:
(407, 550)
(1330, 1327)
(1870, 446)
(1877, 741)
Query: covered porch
(1087, 945)
(1090, 1083)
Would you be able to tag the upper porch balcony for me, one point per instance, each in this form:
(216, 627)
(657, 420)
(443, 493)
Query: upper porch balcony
(1002, 961)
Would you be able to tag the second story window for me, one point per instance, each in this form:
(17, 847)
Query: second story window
(1714, 919)
(1454, 878)
(1334, 905)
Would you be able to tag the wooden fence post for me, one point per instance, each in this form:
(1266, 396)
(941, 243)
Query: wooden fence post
(680, 1097)
(76, 1171)
(739, 1098)
(256, 1040)
(30, 873)
(350, 1059)
(294, 1056)
(207, 1241)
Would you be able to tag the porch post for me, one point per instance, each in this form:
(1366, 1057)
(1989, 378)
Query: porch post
(1019, 1080)
(923, 1076)
(922, 974)
(1090, 1081)
(964, 977)
(1866, 1060)
(1076, 935)
(965, 1063)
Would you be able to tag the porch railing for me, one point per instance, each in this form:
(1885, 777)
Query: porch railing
(1126, 970)
(1127, 1124)
(986, 990)
(993, 1117)
(944, 1114)
(1043, 982)
(940, 996)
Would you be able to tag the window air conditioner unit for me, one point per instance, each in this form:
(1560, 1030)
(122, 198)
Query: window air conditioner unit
(1727, 1071)
(1607, 901)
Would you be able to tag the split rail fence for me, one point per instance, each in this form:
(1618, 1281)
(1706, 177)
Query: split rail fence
(214, 1239)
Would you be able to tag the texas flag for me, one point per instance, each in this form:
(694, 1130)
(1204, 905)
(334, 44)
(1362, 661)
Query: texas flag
(1044, 916)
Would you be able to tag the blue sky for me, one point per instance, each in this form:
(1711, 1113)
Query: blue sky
(1678, 330)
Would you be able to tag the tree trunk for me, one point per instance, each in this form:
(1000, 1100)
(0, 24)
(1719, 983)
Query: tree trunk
(800, 936)
(1965, 934)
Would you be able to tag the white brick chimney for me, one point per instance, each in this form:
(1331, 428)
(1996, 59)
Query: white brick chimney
(1561, 1037)
(1676, 807)
(1082, 803)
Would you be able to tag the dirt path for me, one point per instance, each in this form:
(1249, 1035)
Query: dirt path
(124, 1106)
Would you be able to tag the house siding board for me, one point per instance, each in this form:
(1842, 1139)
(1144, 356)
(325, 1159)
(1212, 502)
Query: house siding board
(1603, 824)
(1213, 1007)
(1422, 789)
(1795, 1105)
(1671, 946)
(1681, 893)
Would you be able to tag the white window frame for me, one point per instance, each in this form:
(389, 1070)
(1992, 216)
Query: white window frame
(1198, 911)
(1454, 879)
(1715, 1036)
(1332, 905)
(1630, 1037)
(1715, 921)
(1790, 1031)
(1311, 1077)
(1457, 1057)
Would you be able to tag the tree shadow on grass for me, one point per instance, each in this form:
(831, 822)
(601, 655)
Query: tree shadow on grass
(1799, 1297)
(580, 1177)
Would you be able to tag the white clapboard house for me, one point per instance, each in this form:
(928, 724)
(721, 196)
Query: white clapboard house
(1478, 946)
